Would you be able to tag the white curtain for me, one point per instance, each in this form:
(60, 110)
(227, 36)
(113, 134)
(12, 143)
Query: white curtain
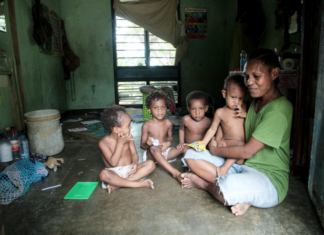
(158, 17)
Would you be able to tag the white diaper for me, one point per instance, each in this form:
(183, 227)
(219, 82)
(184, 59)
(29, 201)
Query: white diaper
(121, 170)
(164, 154)
(156, 142)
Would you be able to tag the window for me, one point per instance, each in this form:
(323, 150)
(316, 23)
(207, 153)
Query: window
(141, 58)
(137, 47)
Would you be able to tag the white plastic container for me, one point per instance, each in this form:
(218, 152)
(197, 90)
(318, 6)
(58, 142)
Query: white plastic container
(5, 152)
(44, 132)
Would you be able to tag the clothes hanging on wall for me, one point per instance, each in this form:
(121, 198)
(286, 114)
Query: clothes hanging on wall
(42, 29)
(70, 61)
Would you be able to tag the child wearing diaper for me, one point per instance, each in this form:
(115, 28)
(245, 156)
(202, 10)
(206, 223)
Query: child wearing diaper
(119, 154)
(157, 133)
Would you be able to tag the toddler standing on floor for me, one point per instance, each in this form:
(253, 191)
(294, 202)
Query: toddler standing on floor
(119, 154)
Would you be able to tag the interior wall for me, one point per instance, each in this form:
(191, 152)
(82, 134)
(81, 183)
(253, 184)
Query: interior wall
(206, 66)
(42, 75)
(6, 116)
(89, 30)
(316, 174)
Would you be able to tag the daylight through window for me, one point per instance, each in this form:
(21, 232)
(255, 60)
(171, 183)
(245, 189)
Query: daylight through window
(137, 47)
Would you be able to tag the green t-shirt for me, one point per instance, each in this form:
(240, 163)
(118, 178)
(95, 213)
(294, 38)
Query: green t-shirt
(271, 126)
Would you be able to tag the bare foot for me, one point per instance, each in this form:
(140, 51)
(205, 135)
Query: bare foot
(177, 175)
(111, 188)
(240, 209)
(192, 181)
(148, 184)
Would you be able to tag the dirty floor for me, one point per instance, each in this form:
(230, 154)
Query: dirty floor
(168, 209)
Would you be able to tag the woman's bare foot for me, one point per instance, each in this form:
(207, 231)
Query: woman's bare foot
(190, 180)
(111, 188)
(240, 209)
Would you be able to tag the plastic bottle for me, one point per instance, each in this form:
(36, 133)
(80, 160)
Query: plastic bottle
(24, 149)
(243, 59)
(5, 152)
(15, 147)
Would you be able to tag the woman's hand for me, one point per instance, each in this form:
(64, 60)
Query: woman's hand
(181, 146)
(239, 112)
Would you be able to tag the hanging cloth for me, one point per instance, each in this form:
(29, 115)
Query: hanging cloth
(157, 17)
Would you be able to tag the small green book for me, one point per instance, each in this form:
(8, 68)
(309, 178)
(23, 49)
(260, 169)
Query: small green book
(81, 190)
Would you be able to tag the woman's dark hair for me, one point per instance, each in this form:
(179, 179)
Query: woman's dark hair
(197, 95)
(112, 116)
(267, 57)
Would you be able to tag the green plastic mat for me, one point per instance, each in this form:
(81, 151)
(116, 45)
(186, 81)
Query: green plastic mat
(81, 190)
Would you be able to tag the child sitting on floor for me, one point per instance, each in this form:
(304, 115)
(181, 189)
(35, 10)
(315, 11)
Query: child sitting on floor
(230, 119)
(119, 153)
(194, 126)
(157, 133)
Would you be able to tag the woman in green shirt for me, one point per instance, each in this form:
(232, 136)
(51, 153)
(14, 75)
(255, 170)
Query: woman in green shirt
(263, 179)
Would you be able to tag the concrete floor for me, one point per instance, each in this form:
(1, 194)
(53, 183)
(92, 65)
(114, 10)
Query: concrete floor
(168, 209)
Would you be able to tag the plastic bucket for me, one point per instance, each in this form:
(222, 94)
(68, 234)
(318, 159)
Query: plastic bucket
(44, 132)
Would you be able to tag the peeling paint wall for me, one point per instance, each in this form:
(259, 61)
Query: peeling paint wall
(89, 30)
(316, 173)
(42, 75)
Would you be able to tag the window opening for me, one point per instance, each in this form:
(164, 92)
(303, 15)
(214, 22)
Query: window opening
(137, 47)
(142, 58)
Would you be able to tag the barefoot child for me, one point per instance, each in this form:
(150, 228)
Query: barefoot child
(230, 119)
(119, 153)
(194, 126)
(157, 133)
